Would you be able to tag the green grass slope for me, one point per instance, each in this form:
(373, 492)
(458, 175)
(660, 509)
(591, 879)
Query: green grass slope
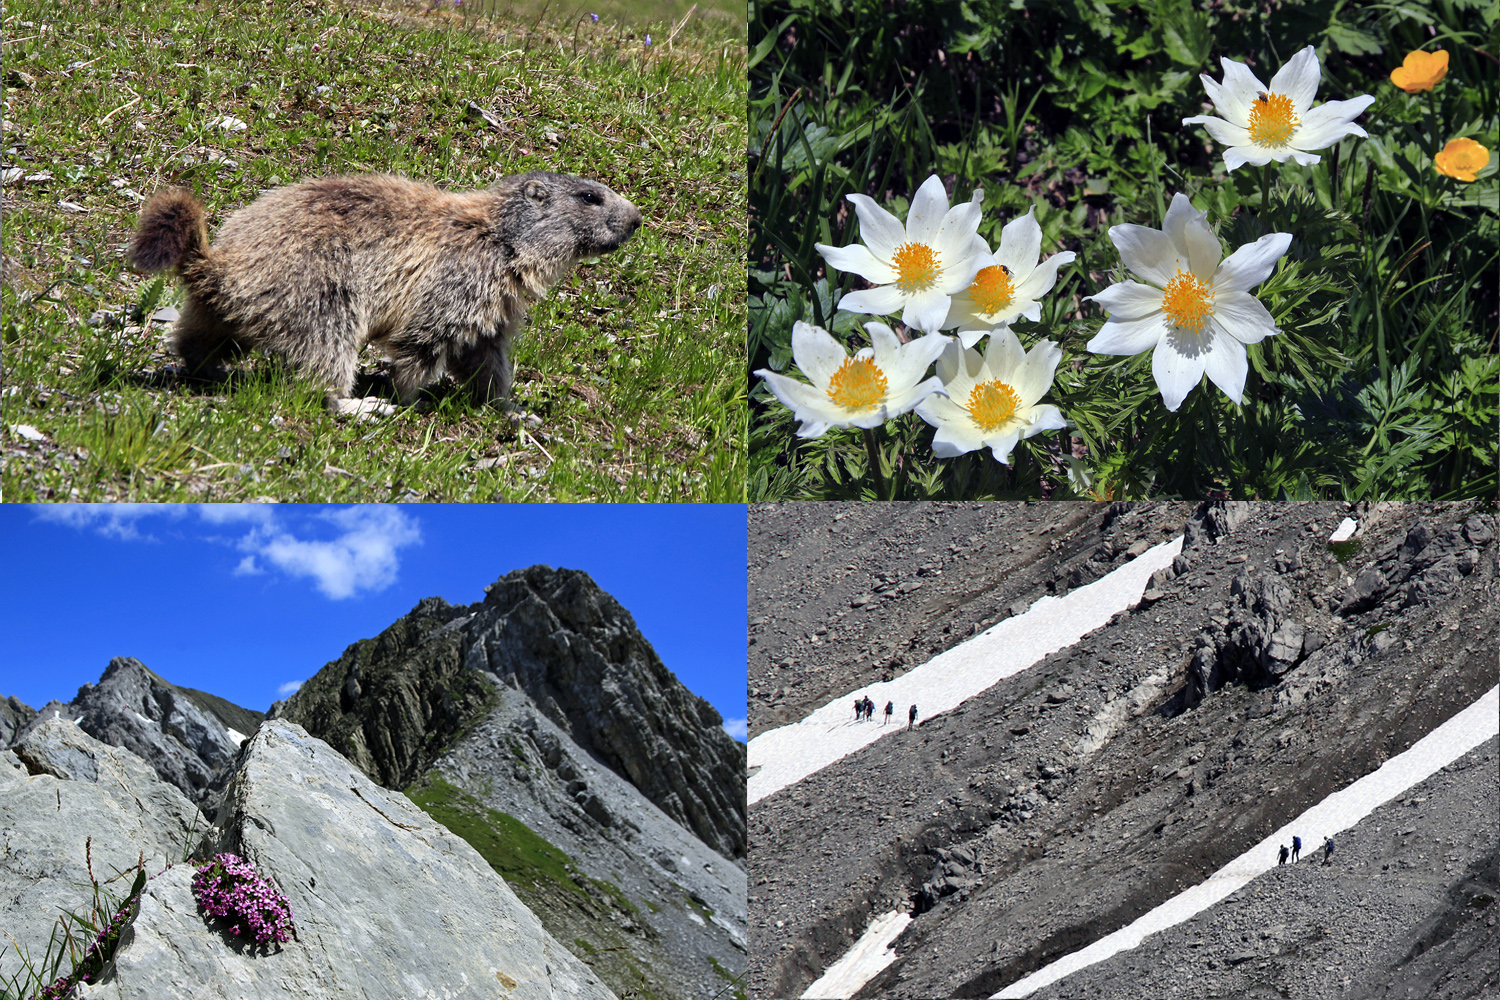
(631, 369)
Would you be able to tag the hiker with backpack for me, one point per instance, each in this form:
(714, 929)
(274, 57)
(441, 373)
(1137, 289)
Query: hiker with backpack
(1296, 848)
(1327, 849)
(1282, 860)
(890, 707)
(911, 717)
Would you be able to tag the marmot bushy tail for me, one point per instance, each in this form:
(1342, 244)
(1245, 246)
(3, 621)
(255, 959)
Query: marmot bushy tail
(172, 232)
(440, 281)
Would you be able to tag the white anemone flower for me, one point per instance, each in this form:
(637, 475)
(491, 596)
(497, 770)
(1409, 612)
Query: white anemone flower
(1008, 288)
(917, 267)
(1261, 124)
(992, 401)
(876, 384)
(1197, 313)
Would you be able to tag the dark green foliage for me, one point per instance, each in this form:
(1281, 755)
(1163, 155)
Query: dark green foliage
(1382, 381)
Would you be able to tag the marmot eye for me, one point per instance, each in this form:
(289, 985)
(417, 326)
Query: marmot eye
(590, 198)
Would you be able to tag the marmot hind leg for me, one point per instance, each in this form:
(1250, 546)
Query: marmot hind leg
(486, 369)
(204, 340)
(416, 363)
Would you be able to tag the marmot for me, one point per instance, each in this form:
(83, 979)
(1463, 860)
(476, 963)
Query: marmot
(440, 281)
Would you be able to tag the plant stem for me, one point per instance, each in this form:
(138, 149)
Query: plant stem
(874, 454)
(1265, 189)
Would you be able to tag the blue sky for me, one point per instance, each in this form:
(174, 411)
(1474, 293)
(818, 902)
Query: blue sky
(243, 600)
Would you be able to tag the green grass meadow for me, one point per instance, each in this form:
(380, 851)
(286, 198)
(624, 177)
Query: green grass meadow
(630, 371)
(1382, 381)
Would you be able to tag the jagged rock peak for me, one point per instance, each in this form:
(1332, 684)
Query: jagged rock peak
(186, 735)
(392, 704)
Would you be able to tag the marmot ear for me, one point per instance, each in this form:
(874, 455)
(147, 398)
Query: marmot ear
(537, 192)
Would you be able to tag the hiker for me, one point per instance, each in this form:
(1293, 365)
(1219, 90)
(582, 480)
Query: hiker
(1296, 848)
(859, 708)
(890, 707)
(1283, 855)
(869, 708)
(1327, 849)
(911, 717)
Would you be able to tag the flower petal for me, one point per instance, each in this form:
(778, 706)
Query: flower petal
(1243, 317)
(879, 230)
(1129, 300)
(1020, 244)
(954, 238)
(1043, 276)
(1002, 444)
(956, 432)
(1298, 79)
(1328, 123)
(1237, 91)
(1032, 379)
(1251, 154)
(1003, 356)
(816, 411)
(1175, 373)
(1251, 264)
(880, 301)
(928, 207)
(1129, 336)
(1188, 229)
(904, 364)
(912, 396)
(1147, 252)
(1226, 367)
(926, 310)
(1222, 132)
(817, 352)
(1045, 417)
(857, 259)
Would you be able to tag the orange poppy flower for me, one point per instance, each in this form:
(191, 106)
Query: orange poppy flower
(1421, 70)
(1462, 159)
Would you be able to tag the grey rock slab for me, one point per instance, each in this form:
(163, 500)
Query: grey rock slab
(81, 789)
(387, 903)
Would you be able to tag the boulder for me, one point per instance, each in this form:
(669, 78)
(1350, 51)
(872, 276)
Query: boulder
(386, 902)
(68, 801)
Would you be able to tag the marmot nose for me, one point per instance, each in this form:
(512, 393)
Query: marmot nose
(634, 218)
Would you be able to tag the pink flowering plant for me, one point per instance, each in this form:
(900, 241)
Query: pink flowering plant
(230, 887)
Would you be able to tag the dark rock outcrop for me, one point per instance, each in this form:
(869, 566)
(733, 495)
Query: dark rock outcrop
(188, 736)
(394, 703)
(15, 716)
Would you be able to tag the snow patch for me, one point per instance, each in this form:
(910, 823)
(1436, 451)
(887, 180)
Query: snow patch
(1344, 531)
(862, 963)
(1336, 813)
(237, 736)
(786, 755)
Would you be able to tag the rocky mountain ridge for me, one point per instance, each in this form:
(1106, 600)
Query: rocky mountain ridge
(189, 736)
(1265, 669)
(514, 722)
(542, 712)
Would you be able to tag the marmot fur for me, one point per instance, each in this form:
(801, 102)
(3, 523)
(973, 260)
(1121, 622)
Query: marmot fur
(440, 281)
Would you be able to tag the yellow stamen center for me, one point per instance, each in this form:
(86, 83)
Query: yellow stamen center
(992, 290)
(1187, 301)
(1272, 120)
(916, 266)
(991, 404)
(857, 385)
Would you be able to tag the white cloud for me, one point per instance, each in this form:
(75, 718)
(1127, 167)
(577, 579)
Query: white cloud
(112, 520)
(735, 728)
(362, 558)
(289, 688)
